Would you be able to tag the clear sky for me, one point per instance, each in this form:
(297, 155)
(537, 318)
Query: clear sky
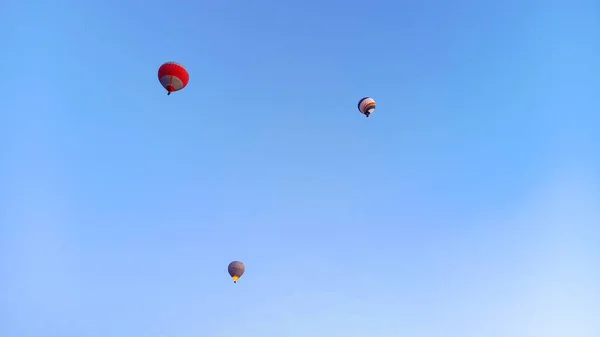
(468, 205)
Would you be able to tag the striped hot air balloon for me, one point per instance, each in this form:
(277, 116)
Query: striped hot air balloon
(173, 76)
(366, 106)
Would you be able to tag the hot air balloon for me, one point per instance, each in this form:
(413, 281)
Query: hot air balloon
(236, 270)
(173, 76)
(366, 106)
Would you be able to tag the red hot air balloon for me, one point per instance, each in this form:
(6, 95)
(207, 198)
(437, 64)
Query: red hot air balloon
(173, 76)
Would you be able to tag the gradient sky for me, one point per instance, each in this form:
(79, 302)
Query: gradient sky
(468, 205)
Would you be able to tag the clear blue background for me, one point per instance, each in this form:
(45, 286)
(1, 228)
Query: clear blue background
(467, 205)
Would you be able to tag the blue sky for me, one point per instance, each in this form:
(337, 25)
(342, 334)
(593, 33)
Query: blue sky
(467, 205)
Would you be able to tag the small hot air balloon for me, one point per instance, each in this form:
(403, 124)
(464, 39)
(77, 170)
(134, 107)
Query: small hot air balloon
(366, 106)
(173, 76)
(236, 270)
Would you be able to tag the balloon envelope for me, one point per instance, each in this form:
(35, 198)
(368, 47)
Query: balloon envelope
(236, 269)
